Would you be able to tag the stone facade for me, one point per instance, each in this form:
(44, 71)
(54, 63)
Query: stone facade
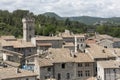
(28, 29)
(108, 70)
(67, 71)
(26, 51)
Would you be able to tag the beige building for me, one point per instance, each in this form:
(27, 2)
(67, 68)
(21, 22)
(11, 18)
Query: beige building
(99, 53)
(62, 64)
(107, 41)
(8, 55)
(108, 70)
(77, 39)
(45, 42)
(18, 45)
(69, 45)
(16, 74)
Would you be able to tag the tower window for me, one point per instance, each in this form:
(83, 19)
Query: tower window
(30, 28)
(30, 36)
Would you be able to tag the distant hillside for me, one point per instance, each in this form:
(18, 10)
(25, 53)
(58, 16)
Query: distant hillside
(51, 14)
(85, 19)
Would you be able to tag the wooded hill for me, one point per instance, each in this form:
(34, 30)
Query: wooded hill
(11, 24)
(85, 19)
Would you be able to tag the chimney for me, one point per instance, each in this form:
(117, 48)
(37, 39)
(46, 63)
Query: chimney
(17, 70)
(75, 44)
(103, 51)
(73, 54)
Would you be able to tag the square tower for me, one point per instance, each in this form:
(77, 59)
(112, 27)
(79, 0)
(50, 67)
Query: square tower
(28, 29)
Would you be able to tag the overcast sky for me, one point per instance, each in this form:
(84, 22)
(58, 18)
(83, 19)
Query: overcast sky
(99, 8)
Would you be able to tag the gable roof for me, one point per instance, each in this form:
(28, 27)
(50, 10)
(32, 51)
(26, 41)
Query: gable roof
(96, 51)
(11, 73)
(63, 55)
(109, 64)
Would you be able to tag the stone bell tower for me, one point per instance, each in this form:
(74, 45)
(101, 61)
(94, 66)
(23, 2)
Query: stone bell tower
(28, 28)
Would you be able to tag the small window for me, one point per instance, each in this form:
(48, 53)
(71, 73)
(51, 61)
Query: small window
(68, 75)
(30, 28)
(81, 45)
(87, 73)
(19, 49)
(27, 79)
(63, 65)
(80, 65)
(105, 46)
(80, 73)
(45, 77)
(30, 50)
(30, 36)
(87, 64)
(81, 40)
(77, 46)
(49, 69)
(59, 76)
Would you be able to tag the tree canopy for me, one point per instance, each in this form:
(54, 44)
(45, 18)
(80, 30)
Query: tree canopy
(11, 24)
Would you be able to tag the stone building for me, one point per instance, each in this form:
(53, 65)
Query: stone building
(46, 42)
(108, 70)
(77, 39)
(18, 45)
(25, 46)
(61, 64)
(107, 41)
(28, 29)
(8, 55)
(99, 53)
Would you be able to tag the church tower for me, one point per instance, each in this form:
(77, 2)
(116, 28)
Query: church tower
(28, 29)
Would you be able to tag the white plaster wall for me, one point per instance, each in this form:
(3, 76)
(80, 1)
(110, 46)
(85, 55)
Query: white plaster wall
(100, 72)
(4, 57)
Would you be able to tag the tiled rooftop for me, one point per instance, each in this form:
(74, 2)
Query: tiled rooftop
(96, 51)
(63, 55)
(109, 64)
(11, 73)
(48, 38)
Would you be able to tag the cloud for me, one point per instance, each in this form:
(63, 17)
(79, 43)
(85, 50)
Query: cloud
(99, 8)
